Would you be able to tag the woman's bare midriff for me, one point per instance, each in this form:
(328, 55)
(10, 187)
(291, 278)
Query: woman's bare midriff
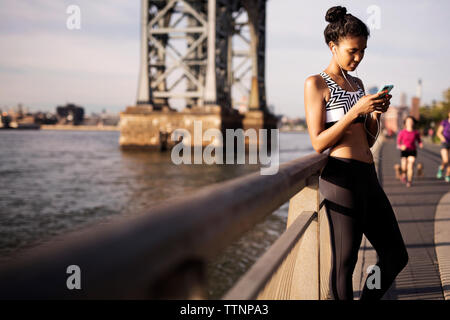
(353, 144)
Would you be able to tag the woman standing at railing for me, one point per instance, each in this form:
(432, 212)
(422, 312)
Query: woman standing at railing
(340, 116)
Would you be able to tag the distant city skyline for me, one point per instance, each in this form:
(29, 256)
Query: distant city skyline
(44, 64)
(26, 109)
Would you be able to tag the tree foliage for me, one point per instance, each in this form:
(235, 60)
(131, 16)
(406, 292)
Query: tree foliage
(431, 116)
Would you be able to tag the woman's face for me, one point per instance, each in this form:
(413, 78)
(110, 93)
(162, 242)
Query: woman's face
(350, 52)
(409, 123)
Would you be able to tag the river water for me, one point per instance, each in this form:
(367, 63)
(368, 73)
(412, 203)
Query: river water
(52, 182)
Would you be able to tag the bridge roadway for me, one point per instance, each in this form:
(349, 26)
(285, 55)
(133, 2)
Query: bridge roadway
(427, 275)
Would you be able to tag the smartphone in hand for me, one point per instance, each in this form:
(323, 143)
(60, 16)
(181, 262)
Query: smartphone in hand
(387, 88)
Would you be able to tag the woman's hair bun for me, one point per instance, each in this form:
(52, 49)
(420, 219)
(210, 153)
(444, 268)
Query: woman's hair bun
(335, 14)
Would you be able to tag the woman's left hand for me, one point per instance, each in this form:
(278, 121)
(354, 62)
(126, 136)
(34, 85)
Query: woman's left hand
(385, 105)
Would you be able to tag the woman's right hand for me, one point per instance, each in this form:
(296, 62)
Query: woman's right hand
(369, 103)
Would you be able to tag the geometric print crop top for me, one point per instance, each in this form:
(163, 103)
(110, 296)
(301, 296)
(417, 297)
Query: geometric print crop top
(340, 101)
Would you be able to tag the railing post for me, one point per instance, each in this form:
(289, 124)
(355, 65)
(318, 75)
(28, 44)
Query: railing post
(307, 256)
(325, 253)
(307, 199)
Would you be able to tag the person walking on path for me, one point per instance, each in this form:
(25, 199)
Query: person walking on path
(443, 132)
(341, 117)
(406, 142)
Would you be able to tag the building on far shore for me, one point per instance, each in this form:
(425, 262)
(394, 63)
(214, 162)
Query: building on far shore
(70, 114)
(18, 118)
(292, 124)
(372, 90)
(415, 101)
(65, 117)
(102, 119)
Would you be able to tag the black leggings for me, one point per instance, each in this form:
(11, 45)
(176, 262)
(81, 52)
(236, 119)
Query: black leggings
(356, 204)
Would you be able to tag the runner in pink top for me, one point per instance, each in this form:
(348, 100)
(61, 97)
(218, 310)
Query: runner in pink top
(406, 142)
(408, 139)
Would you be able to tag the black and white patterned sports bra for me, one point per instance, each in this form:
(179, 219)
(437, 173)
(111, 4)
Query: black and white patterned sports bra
(340, 101)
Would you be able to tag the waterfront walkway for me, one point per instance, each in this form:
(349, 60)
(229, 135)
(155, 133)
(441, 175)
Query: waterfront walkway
(423, 215)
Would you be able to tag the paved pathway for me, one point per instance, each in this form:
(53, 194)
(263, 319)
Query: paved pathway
(415, 209)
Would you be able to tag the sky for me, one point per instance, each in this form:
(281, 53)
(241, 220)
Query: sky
(44, 64)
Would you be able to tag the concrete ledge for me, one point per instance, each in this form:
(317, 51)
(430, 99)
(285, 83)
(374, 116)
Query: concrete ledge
(442, 242)
(376, 150)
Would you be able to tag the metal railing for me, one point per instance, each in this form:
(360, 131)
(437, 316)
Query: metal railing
(163, 253)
